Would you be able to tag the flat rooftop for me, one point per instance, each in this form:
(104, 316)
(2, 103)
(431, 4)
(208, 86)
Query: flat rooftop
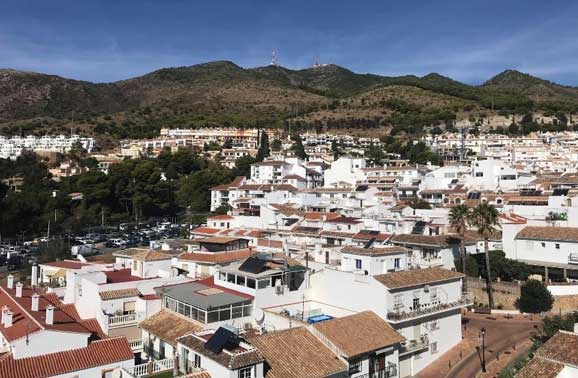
(202, 296)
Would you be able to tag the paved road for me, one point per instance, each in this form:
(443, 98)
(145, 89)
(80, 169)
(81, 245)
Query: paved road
(501, 335)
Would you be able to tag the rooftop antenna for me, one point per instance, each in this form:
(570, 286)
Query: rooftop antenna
(316, 64)
(274, 62)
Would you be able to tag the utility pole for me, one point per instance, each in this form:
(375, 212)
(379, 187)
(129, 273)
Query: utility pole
(483, 333)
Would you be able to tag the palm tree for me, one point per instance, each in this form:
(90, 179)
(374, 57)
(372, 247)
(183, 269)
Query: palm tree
(485, 218)
(460, 216)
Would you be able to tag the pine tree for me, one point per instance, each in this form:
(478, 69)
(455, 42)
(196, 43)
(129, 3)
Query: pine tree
(264, 149)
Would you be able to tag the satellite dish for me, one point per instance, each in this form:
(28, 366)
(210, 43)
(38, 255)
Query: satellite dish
(259, 316)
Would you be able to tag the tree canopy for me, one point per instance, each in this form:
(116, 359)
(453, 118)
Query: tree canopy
(534, 298)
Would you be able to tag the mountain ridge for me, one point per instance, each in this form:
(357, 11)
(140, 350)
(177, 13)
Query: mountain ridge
(226, 93)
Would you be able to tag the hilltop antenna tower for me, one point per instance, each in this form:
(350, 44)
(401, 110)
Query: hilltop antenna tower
(316, 64)
(274, 61)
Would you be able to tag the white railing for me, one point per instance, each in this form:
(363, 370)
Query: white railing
(573, 258)
(136, 345)
(399, 315)
(152, 367)
(119, 320)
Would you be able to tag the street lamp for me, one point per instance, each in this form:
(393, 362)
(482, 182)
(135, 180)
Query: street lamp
(483, 333)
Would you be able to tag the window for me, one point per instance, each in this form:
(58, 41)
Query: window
(357, 264)
(398, 301)
(397, 263)
(479, 174)
(246, 372)
(354, 366)
(241, 280)
(543, 245)
(251, 283)
(557, 245)
(415, 303)
(231, 278)
(433, 348)
(197, 363)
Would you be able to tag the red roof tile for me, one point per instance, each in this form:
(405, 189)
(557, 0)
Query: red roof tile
(217, 257)
(121, 275)
(25, 321)
(205, 230)
(98, 353)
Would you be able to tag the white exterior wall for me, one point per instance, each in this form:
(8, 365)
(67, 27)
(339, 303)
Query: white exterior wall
(97, 372)
(57, 342)
(373, 265)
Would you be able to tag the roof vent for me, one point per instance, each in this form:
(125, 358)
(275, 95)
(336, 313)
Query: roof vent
(19, 290)
(50, 314)
(35, 301)
(8, 318)
(10, 282)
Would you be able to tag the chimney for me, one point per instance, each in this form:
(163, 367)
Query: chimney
(35, 301)
(8, 318)
(10, 282)
(34, 279)
(50, 314)
(19, 290)
(4, 309)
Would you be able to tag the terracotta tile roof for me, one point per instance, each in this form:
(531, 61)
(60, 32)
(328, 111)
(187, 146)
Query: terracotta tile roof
(287, 209)
(205, 230)
(118, 294)
(232, 360)
(66, 264)
(97, 353)
(442, 241)
(318, 215)
(26, 321)
(217, 257)
(121, 275)
(198, 374)
(296, 353)
(568, 234)
(368, 236)
(561, 348)
(169, 326)
(220, 217)
(337, 234)
(540, 368)
(416, 277)
(150, 255)
(359, 334)
(393, 250)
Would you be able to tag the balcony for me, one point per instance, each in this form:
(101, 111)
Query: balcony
(573, 258)
(123, 320)
(410, 346)
(153, 367)
(399, 315)
(389, 372)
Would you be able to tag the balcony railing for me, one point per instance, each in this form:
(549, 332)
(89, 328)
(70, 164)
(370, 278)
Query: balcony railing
(410, 346)
(121, 320)
(153, 367)
(136, 345)
(389, 372)
(402, 315)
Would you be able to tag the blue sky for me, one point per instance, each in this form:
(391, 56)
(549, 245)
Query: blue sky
(469, 40)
